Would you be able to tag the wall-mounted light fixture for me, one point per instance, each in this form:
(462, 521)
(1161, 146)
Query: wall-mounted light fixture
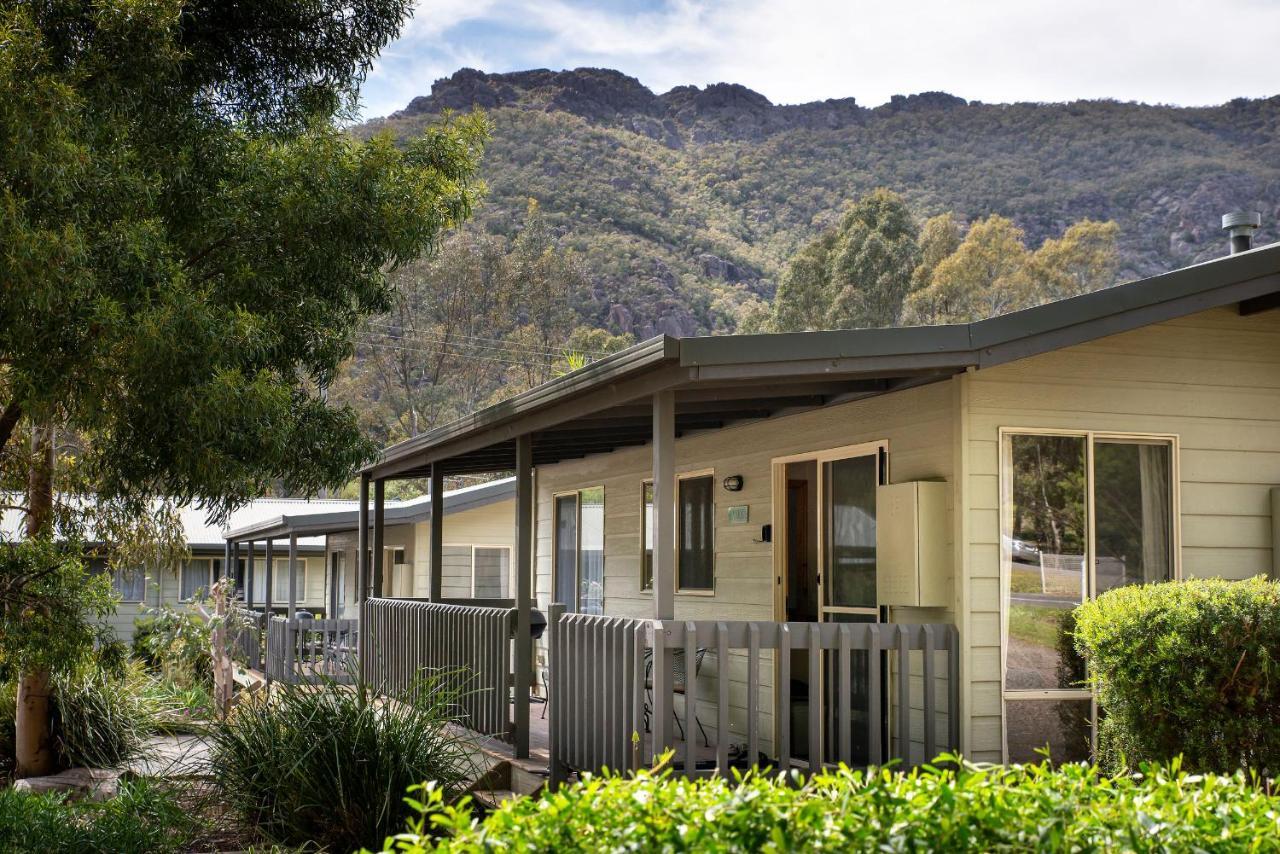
(733, 483)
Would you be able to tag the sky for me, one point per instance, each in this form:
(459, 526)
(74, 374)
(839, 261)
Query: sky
(1187, 52)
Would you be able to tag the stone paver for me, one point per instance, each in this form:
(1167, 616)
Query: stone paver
(173, 756)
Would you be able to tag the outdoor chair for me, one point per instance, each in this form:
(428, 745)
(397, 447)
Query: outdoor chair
(680, 676)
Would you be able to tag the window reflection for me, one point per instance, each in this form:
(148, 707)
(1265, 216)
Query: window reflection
(1046, 545)
(1065, 727)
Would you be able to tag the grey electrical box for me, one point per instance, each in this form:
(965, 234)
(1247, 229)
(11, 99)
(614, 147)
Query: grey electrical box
(913, 544)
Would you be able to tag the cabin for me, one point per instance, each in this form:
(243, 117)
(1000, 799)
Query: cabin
(478, 524)
(850, 546)
(301, 623)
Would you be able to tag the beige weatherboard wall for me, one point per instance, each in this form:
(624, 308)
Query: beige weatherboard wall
(1209, 384)
(479, 535)
(151, 588)
(916, 426)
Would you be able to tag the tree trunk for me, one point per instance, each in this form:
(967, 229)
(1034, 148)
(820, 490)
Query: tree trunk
(220, 646)
(33, 741)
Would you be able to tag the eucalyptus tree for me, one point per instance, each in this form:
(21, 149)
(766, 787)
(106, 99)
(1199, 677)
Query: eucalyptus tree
(187, 239)
(855, 275)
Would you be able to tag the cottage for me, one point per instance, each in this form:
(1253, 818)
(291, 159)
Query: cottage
(478, 524)
(860, 544)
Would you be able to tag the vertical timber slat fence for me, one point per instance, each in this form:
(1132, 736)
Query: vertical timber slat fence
(867, 710)
(597, 681)
(469, 648)
(311, 651)
(246, 638)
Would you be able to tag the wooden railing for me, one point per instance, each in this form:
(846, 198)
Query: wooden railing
(311, 651)
(864, 709)
(596, 699)
(468, 648)
(245, 633)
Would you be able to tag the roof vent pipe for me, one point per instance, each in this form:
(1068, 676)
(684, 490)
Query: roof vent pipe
(1240, 226)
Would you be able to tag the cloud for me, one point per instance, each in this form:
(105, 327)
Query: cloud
(1175, 51)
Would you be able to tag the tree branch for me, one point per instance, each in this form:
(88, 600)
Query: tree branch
(9, 420)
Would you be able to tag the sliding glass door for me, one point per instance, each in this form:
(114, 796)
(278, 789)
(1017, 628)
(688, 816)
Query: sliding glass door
(828, 547)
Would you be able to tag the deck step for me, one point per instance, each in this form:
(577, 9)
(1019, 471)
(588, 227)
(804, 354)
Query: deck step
(494, 798)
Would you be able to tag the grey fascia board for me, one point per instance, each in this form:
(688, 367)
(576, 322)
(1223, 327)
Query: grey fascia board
(847, 345)
(615, 367)
(343, 521)
(216, 549)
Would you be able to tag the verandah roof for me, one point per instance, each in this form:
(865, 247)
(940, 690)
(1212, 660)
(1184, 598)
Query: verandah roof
(721, 380)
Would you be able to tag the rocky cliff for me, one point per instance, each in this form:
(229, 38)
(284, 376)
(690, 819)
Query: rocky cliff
(685, 202)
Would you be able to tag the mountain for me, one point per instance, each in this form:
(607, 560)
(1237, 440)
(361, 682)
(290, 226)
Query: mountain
(683, 204)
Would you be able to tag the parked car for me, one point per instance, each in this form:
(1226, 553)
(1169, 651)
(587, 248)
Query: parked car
(1022, 551)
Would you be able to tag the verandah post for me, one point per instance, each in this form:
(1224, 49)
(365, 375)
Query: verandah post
(293, 575)
(435, 583)
(524, 590)
(379, 506)
(362, 542)
(664, 557)
(233, 569)
(269, 576)
(248, 574)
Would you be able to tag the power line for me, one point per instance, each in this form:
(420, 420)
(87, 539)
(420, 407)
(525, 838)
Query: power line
(407, 349)
(500, 341)
(514, 350)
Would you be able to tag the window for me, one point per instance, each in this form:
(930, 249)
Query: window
(338, 570)
(240, 578)
(491, 572)
(129, 584)
(695, 528)
(397, 576)
(579, 550)
(280, 581)
(1082, 513)
(197, 577)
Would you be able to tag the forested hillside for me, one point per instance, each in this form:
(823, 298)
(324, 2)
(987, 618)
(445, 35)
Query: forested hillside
(679, 204)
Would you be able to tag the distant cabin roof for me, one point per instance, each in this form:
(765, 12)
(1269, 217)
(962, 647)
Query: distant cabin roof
(314, 517)
(308, 523)
(723, 379)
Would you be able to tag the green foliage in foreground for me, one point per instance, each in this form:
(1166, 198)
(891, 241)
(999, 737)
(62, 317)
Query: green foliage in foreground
(1188, 668)
(141, 818)
(328, 765)
(977, 808)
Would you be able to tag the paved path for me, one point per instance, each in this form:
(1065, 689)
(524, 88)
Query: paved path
(173, 756)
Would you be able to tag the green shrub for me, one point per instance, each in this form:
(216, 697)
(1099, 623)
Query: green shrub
(142, 818)
(175, 642)
(101, 719)
(1189, 669)
(330, 764)
(973, 808)
(8, 712)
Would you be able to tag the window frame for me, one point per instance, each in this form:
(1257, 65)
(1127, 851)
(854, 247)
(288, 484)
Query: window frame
(647, 483)
(1005, 502)
(576, 494)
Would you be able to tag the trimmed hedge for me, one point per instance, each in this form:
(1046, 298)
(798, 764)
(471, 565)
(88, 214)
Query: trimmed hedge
(973, 808)
(1187, 668)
